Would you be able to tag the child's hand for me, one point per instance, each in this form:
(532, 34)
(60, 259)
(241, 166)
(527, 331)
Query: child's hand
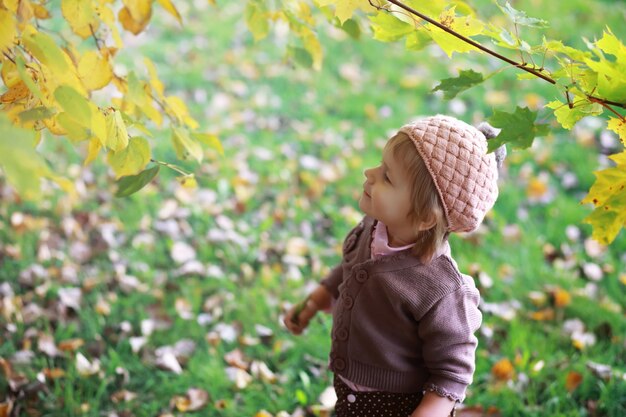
(298, 317)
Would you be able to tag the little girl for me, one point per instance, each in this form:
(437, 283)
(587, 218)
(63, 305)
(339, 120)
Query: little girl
(404, 317)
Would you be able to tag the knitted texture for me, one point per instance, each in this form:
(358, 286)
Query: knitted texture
(400, 325)
(465, 175)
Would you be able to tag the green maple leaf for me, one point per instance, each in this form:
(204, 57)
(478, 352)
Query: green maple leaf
(518, 128)
(453, 86)
(388, 28)
(568, 117)
(521, 18)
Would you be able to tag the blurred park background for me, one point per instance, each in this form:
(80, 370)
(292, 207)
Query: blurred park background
(169, 302)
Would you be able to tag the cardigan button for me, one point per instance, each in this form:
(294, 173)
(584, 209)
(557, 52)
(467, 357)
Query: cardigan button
(348, 302)
(361, 276)
(340, 364)
(342, 334)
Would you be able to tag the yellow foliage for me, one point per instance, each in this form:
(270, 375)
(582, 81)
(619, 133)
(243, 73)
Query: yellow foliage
(80, 15)
(167, 5)
(94, 71)
(7, 30)
(135, 15)
(132, 159)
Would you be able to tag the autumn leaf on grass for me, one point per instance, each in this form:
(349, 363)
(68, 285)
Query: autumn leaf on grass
(453, 86)
(503, 370)
(608, 195)
(573, 380)
(195, 400)
(518, 128)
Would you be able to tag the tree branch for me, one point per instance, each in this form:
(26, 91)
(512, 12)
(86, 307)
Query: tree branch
(475, 44)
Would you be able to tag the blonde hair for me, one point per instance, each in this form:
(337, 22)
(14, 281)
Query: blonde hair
(426, 203)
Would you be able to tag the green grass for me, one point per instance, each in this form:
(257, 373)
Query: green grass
(283, 200)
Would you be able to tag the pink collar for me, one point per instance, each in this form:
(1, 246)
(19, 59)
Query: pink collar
(380, 242)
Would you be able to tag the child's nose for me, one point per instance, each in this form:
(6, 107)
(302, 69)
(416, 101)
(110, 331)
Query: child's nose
(368, 173)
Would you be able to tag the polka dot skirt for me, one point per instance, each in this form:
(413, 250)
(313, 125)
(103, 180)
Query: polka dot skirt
(373, 404)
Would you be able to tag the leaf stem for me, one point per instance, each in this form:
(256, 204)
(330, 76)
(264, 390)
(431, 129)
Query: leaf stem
(170, 166)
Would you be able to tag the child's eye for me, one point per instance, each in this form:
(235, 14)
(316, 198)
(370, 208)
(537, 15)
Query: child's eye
(385, 177)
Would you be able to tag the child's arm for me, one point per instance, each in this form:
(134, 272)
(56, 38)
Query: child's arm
(432, 405)
(298, 317)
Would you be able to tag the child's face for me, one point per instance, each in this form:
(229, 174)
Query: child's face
(387, 194)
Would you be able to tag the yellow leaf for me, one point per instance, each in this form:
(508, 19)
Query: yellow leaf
(139, 10)
(135, 15)
(132, 159)
(43, 47)
(117, 135)
(185, 146)
(137, 95)
(9, 72)
(75, 105)
(17, 92)
(98, 123)
(54, 126)
(155, 82)
(618, 126)
(108, 17)
(75, 131)
(7, 30)
(94, 71)
(25, 11)
(81, 16)
(188, 181)
(167, 5)
(92, 150)
(344, 9)
(11, 5)
(209, 140)
(178, 109)
(464, 25)
(41, 12)
(313, 47)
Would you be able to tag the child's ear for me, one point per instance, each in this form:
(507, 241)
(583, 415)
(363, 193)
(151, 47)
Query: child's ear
(427, 223)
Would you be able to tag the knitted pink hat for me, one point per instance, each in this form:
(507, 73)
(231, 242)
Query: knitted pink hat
(465, 175)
